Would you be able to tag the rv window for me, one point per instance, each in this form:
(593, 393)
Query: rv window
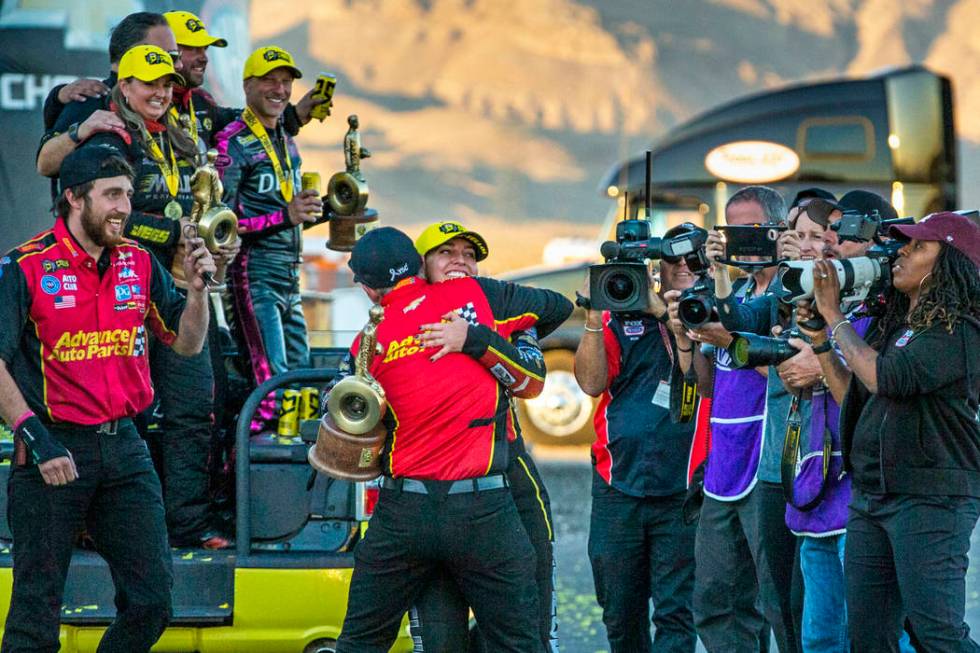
(837, 138)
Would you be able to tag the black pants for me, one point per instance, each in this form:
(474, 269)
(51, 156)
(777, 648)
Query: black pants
(641, 550)
(117, 498)
(907, 556)
(179, 432)
(744, 570)
(439, 619)
(477, 537)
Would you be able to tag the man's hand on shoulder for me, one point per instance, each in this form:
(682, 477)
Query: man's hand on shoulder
(82, 89)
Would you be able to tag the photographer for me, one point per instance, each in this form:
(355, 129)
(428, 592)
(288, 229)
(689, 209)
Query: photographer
(911, 439)
(640, 547)
(743, 547)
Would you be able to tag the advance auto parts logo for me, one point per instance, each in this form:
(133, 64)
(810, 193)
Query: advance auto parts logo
(89, 345)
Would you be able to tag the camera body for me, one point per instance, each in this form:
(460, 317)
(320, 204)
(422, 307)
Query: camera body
(622, 283)
(696, 305)
(753, 240)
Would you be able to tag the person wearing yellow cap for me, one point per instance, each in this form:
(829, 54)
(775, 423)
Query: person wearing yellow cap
(208, 118)
(164, 158)
(260, 169)
(439, 618)
(75, 111)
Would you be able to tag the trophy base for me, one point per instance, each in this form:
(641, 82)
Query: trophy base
(347, 457)
(345, 230)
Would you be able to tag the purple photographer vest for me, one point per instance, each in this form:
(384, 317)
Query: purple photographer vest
(738, 417)
(829, 517)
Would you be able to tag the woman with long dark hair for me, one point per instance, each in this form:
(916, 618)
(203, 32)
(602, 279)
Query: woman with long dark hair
(911, 439)
(165, 157)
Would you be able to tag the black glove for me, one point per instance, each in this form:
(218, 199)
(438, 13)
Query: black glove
(42, 446)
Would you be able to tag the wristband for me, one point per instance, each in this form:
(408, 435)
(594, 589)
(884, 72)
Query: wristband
(42, 446)
(823, 348)
(589, 329)
(20, 420)
(833, 330)
(686, 351)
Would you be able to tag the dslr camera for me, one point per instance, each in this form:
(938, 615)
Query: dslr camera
(622, 283)
(863, 278)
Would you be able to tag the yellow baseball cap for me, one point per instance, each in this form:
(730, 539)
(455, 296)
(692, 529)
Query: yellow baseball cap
(438, 233)
(269, 58)
(147, 63)
(189, 30)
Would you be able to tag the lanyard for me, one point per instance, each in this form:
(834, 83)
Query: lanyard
(689, 390)
(171, 174)
(190, 113)
(285, 183)
(667, 345)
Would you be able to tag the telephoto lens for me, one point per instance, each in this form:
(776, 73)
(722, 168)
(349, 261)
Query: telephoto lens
(751, 350)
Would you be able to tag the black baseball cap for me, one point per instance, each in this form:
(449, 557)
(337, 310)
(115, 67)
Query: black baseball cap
(812, 193)
(384, 256)
(865, 203)
(92, 162)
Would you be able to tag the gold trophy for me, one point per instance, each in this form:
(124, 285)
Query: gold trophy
(347, 195)
(351, 435)
(209, 219)
(216, 223)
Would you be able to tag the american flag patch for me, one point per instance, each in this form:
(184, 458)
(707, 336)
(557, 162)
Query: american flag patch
(64, 301)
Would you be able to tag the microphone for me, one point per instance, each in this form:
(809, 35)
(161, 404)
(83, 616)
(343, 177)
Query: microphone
(610, 249)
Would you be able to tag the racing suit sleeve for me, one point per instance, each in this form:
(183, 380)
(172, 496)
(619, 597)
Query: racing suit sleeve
(166, 304)
(67, 115)
(517, 364)
(16, 302)
(516, 308)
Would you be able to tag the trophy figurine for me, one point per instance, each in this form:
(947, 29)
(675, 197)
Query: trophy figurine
(209, 219)
(352, 433)
(347, 195)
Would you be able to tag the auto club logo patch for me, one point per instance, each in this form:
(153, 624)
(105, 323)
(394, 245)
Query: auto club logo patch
(50, 284)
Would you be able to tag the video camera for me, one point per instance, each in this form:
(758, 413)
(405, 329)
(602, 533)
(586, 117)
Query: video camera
(622, 283)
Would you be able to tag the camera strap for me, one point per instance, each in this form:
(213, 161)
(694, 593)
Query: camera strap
(791, 455)
(688, 389)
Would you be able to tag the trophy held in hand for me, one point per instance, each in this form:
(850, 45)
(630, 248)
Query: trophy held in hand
(352, 433)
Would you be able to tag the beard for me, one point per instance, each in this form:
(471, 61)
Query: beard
(95, 226)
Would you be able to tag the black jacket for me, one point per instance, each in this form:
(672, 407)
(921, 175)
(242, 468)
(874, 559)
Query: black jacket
(919, 434)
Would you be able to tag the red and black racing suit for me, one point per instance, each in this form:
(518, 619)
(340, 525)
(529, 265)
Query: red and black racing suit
(443, 502)
(75, 342)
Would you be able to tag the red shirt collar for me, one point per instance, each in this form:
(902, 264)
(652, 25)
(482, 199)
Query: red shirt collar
(404, 289)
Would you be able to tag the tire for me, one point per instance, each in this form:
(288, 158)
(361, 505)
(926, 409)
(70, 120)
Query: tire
(321, 646)
(562, 413)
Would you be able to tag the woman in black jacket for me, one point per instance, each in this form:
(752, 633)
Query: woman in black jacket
(911, 439)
